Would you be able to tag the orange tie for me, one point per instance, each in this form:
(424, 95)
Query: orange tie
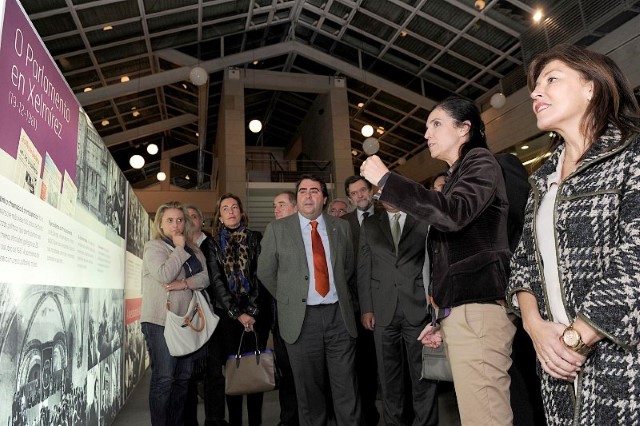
(320, 270)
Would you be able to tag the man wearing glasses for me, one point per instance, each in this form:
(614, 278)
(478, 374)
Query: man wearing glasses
(338, 207)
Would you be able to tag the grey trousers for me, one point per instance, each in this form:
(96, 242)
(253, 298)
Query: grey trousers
(325, 349)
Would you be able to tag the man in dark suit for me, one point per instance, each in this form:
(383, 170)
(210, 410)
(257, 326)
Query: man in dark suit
(526, 400)
(394, 307)
(306, 262)
(360, 192)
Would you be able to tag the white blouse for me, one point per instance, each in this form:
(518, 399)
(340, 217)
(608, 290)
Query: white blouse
(545, 234)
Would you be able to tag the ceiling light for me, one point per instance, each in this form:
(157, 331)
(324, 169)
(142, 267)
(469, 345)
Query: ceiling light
(360, 104)
(197, 134)
(380, 130)
(161, 176)
(367, 130)
(105, 123)
(480, 4)
(136, 161)
(537, 16)
(152, 149)
(187, 177)
(124, 79)
(498, 100)
(198, 76)
(523, 147)
(354, 152)
(184, 86)
(402, 161)
(256, 62)
(403, 33)
(136, 113)
(87, 89)
(255, 126)
(107, 28)
(370, 146)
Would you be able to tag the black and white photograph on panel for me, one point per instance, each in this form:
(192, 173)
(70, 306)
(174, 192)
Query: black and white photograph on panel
(41, 330)
(137, 225)
(91, 169)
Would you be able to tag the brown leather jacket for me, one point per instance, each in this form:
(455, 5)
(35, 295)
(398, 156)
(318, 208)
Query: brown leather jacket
(468, 242)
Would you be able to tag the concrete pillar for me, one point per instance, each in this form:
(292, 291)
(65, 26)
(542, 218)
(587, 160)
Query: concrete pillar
(339, 110)
(230, 139)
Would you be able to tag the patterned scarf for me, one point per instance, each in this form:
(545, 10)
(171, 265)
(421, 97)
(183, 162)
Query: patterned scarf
(235, 259)
(192, 266)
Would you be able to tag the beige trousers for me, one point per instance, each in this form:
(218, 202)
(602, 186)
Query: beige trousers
(478, 340)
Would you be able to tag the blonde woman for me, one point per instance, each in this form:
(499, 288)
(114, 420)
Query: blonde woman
(170, 263)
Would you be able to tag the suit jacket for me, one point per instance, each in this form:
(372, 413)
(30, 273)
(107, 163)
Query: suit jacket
(516, 182)
(283, 270)
(352, 218)
(384, 279)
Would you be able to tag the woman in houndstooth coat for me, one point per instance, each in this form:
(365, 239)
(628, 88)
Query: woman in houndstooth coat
(576, 273)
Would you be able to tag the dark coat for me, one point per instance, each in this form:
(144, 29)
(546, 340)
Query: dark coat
(212, 249)
(468, 243)
(597, 234)
(386, 279)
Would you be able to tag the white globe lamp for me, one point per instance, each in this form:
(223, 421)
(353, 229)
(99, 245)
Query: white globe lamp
(255, 126)
(498, 100)
(198, 76)
(136, 161)
(367, 130)
(152, 149)
(161, 176)
(370, 146)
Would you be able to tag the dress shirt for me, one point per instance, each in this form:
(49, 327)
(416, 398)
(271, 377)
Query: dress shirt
(402, 219)
(360, 212)
(201, 238)
(313, 297)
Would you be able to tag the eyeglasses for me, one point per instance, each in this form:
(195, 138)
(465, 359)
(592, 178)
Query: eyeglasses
(337, 211)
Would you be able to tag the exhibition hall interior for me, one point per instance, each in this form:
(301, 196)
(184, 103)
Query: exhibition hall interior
(117, 106)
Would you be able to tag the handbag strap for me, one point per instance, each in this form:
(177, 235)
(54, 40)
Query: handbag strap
(197, 310)
(257, 351)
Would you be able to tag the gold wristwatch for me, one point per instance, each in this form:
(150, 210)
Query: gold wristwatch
(572, 339)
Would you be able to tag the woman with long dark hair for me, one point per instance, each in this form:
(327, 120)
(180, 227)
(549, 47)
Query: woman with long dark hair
(245, 304)
(469, 251)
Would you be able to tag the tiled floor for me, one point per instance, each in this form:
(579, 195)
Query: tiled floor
(136, 409)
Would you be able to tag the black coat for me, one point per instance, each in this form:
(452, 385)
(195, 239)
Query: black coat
(257, 299)
(468, 242)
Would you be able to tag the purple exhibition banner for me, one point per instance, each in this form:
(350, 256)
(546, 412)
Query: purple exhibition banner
(39, 110)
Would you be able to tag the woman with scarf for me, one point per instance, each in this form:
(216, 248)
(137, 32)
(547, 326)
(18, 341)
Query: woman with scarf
(232, 261)
(172, 266)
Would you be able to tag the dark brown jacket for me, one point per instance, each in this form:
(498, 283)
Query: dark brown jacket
(468, 243)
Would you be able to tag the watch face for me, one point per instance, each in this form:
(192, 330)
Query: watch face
(571, 337)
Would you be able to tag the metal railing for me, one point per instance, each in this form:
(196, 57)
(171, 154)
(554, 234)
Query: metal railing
(264, 167)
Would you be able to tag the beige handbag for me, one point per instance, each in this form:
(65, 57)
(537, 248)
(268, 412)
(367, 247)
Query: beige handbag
(186, 334)
(250, 372)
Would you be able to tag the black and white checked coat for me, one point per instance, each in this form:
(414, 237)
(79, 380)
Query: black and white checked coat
(597, 235)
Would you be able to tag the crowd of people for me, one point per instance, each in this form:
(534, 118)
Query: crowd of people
(351, 290)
